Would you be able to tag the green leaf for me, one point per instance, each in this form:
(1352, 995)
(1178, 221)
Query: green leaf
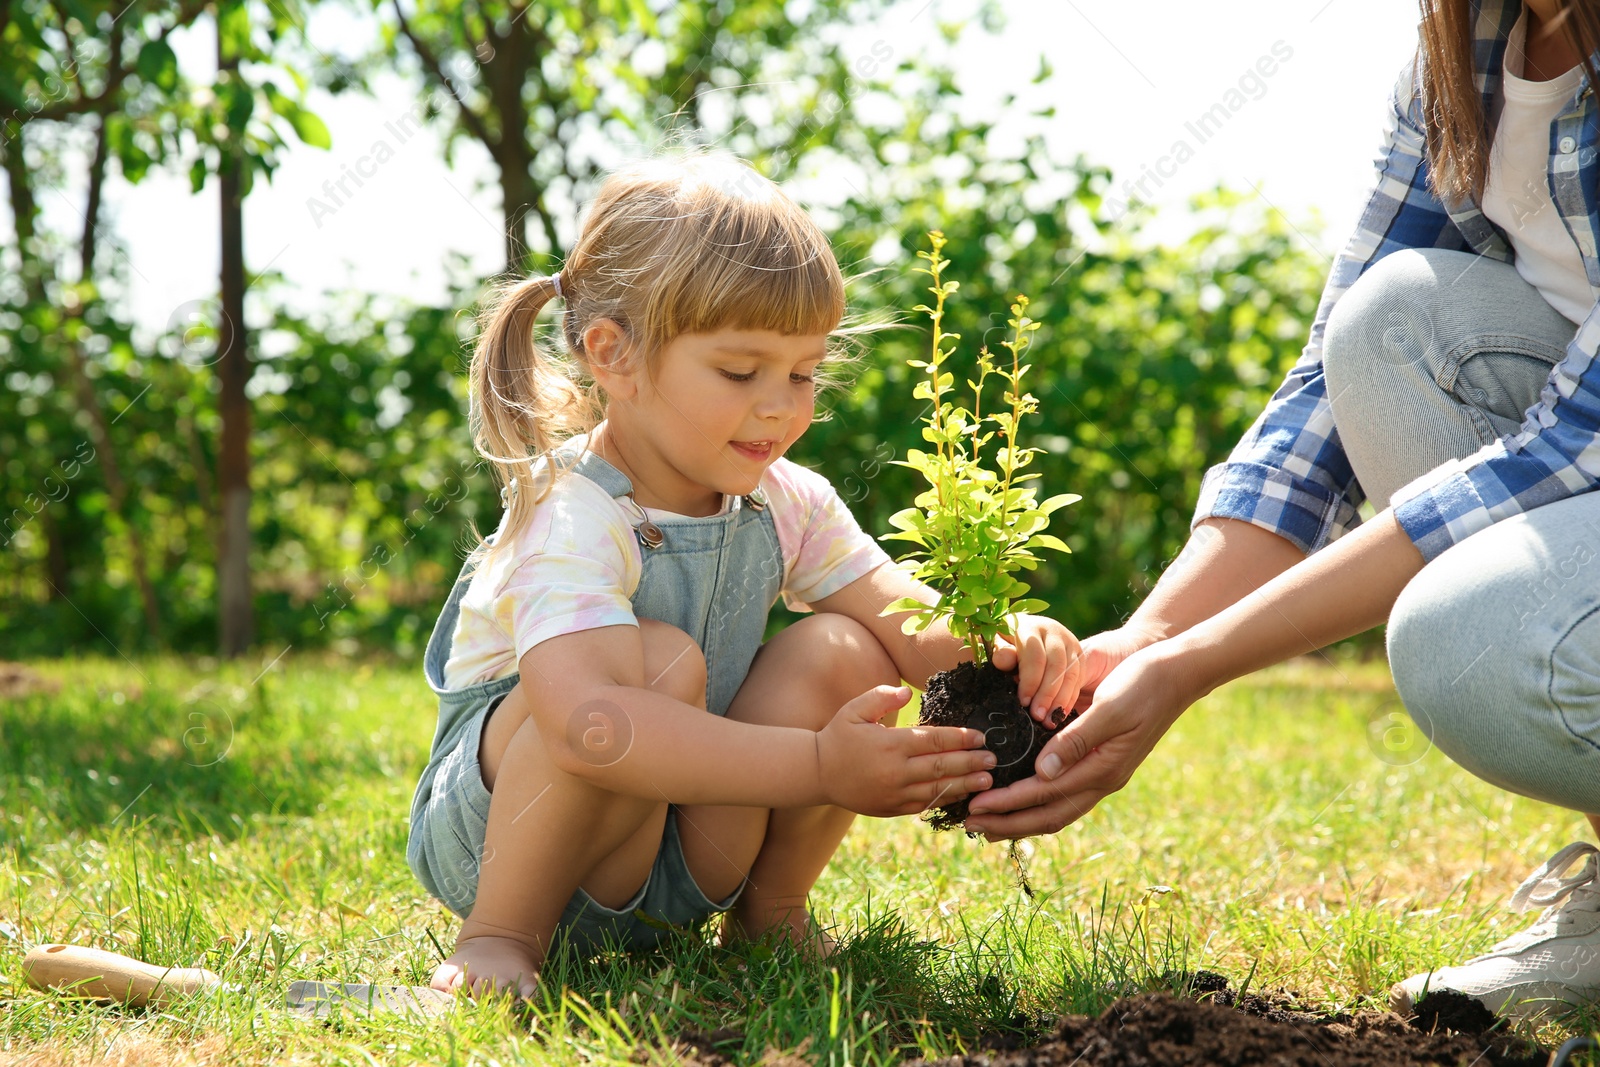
(1059, 501)
(907, 519)
(905, 603)
(1048, 541)
(310, 128)
(158, 65)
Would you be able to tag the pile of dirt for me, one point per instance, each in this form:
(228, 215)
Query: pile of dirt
(985, 698)
(1223, 1029)
(1219, 1029)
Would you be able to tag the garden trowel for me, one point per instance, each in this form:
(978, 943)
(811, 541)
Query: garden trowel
(99, 975)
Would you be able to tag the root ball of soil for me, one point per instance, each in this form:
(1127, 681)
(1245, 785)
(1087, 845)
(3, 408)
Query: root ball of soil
(985, 698)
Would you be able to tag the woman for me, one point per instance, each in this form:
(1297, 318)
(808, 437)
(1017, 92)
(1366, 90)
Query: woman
(1450, 378)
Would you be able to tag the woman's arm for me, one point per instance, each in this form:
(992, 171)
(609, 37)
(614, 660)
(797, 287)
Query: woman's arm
(1286, 489)
(1223, 560)
(1346, 588)
(1289, 474)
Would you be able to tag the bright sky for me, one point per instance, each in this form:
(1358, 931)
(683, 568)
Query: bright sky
(1301, 86)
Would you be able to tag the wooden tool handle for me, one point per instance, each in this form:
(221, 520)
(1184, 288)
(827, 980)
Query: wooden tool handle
(101, 975)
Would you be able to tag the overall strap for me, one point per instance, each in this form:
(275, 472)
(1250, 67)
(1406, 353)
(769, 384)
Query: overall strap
(573, 456)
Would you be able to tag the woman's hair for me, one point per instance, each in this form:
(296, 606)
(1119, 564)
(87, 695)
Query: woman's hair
(1457, 129)
(691, 243)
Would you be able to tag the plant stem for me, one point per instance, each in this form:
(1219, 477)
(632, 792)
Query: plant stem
(1016, 345)
(937, 360)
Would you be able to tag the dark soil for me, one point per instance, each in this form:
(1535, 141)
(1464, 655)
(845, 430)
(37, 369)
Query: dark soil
(1223, 1029)
(985, 698)
(1446, 1009)
(1209, 1026)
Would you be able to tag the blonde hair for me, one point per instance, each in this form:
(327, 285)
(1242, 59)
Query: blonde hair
(687, 244)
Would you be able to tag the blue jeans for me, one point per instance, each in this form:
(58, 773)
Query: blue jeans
(1495, 644)
(716, 578)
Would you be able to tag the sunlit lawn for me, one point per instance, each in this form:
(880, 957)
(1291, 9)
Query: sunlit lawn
(1290, 830)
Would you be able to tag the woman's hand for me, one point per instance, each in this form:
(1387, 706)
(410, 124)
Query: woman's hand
(1093, 757)
(1104, 652)
(1049, 663)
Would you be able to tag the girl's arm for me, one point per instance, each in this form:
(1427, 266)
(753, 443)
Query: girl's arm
(1045, 655)
(1346, 588)
(599, 723)
(916, 656)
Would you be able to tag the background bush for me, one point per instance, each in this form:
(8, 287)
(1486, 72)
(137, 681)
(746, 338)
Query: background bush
(1151, 362)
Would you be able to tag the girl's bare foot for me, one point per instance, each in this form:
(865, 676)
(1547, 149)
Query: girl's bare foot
(807, 932)
(487, 964)
(791, 924)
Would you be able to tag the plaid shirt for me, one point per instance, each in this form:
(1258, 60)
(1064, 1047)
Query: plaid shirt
(1289, 473)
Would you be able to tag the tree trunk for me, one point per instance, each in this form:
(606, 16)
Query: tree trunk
(24, 215)
(234, 616)
(55, 559)
(505, 75)
(516, 188)
(89, 402)
(24, 211)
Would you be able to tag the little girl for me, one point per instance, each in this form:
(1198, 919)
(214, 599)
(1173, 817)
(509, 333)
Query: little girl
(577, 787)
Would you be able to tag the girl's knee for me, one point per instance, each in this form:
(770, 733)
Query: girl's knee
(839, 647)
(673, 663)
(842, 659)
(817, 665)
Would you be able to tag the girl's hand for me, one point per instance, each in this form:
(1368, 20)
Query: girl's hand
(881, 771)
(1094, 756)
(1049, 663)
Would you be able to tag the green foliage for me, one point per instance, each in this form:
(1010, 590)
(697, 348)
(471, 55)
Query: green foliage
(1159, 356)
(552, 90)
(365, 480)
(976, 527)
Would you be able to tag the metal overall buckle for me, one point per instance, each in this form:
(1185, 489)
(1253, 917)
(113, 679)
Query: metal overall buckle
(648, 531)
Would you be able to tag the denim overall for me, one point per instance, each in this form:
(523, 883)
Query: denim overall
(714, 577)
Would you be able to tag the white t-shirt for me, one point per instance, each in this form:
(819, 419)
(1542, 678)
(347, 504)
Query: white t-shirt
(578, 563)
(1517, 195)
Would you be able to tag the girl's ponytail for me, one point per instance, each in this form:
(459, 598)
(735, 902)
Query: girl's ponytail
(524, 401)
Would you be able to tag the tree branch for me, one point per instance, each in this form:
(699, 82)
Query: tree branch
(91, 210)
(116, 73)
(469, 118)
(475, 45)
(72, 51)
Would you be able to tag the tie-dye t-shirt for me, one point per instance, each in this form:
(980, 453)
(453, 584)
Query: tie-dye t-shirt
(578, 563)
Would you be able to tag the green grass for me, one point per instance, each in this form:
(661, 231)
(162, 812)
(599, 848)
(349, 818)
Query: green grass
(1278, 833)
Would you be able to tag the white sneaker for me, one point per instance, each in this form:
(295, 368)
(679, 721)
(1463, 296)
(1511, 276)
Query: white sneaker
(1552, 965)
